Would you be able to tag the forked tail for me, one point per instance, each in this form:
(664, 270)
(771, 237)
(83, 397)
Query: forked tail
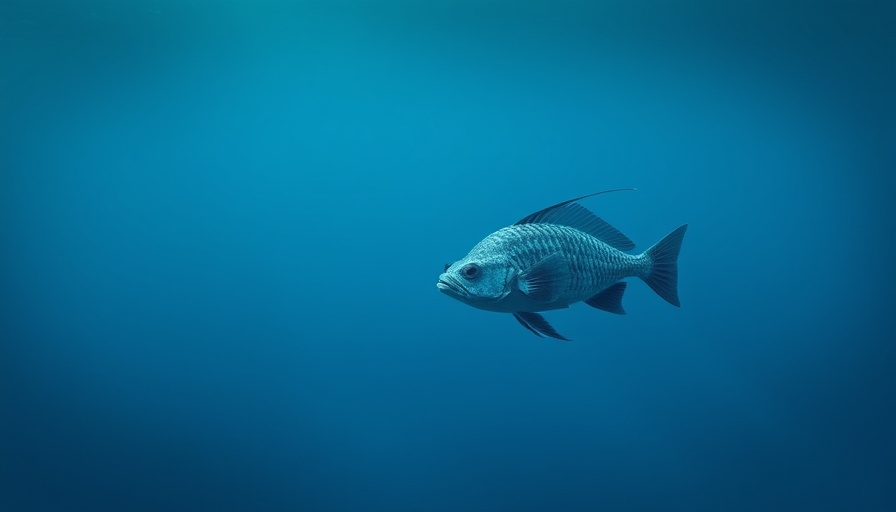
(663, 275)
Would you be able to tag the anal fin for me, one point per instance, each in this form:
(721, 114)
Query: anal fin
(610, 299)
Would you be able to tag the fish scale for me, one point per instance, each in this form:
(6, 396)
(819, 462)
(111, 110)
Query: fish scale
(592, 263)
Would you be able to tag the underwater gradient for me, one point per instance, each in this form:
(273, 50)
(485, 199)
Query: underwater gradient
(222, 224)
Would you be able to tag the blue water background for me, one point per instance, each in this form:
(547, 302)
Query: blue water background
(221, 225)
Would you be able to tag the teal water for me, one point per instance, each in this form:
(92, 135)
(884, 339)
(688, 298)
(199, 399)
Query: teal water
(221, 225)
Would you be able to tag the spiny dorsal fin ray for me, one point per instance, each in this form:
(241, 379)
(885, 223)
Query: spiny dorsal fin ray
(578, 217)
(537, 324)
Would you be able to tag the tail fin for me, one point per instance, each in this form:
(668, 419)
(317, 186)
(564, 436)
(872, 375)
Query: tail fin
(663, 276)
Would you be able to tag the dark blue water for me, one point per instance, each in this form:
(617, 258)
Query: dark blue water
(221, 225)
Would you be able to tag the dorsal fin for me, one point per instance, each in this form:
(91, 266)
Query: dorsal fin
(573, 215)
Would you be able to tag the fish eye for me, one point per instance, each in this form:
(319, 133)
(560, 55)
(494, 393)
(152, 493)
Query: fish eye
(470, 270)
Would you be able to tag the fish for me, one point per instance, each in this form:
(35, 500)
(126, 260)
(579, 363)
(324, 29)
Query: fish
(556, 257)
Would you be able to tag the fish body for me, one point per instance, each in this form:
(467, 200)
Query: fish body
(590, 264)
(554, 258)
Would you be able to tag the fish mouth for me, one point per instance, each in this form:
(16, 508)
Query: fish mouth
(447, 287)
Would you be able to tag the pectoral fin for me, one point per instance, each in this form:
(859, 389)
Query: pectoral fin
(609, 299)
(538, 325)
(546, 280)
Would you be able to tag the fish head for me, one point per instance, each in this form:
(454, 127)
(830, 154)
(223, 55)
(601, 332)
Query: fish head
(475, 280)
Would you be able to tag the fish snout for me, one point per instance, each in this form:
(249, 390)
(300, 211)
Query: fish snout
(448, 286)
(443, 282)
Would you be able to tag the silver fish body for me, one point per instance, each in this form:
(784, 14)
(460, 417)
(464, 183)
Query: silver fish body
(554, 258)
(592, 265)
